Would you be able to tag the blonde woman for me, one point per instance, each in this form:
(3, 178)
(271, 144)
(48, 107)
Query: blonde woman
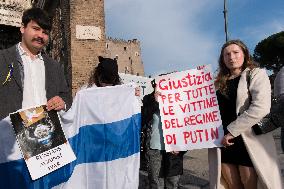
(247, 161)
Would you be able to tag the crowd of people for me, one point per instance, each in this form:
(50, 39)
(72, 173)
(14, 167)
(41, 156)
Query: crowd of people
(246, 161)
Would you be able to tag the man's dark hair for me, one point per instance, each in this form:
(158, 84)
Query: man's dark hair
(37, 15)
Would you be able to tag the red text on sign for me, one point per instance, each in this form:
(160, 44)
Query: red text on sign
(200, 91)
(171, 98)
(186, 81)
(200, 135)
(198, 119)
(168, 110)
(199, 105)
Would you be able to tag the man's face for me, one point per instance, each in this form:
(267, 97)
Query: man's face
(34, 38)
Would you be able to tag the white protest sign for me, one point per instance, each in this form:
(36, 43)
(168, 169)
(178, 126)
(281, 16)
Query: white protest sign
(50, 160)
(143, 82)
(41, 140)
(189, 110)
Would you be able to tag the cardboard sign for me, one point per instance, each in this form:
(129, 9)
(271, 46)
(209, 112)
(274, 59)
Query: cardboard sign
(143, 82)
(41, 139)
(189, 110)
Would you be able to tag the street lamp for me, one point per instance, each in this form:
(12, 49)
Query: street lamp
(225, 17)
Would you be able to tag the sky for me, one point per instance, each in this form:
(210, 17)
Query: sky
(178, 35)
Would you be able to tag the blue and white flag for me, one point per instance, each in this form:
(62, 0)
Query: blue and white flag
(103, 129)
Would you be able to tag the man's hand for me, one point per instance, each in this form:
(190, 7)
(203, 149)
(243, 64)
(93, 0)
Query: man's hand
(137, 91)
(55, 103)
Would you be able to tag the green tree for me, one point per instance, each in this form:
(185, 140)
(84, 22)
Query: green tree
(269, 53)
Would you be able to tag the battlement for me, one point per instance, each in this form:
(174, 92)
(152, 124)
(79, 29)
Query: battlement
(117, 40)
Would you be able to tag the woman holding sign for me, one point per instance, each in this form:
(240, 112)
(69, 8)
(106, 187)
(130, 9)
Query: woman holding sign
(247, 161)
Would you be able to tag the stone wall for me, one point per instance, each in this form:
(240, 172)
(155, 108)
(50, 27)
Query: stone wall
(60, 40)
(11, 11)
(78, 38)
(86, 44)
(128, 55)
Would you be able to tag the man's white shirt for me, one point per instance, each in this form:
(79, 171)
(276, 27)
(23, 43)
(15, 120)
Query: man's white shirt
(34, 92)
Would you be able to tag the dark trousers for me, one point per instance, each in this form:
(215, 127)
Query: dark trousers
(156, 175)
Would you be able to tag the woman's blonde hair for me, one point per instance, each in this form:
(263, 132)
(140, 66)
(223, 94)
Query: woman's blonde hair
(223, 72)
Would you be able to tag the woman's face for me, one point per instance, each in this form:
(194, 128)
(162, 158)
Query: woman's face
(233, 56)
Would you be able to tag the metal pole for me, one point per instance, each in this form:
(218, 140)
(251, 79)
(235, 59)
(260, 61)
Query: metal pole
(225, 17)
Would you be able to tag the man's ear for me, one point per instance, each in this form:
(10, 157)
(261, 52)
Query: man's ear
(22, 29)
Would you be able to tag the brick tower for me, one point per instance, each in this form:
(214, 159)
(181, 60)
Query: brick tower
(88, 40)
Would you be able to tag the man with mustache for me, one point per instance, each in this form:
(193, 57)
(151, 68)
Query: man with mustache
(28, 77)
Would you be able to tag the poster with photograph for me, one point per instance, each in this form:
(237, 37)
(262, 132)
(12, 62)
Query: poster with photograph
(41, 139)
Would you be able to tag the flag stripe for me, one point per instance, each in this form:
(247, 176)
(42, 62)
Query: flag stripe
(94, 143)
(127, 179)
(112, 140)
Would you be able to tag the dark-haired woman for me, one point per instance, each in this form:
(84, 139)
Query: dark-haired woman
(247, 161)
(105, 74)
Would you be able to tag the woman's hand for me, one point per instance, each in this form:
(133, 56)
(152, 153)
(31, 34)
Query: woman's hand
(226, 141)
